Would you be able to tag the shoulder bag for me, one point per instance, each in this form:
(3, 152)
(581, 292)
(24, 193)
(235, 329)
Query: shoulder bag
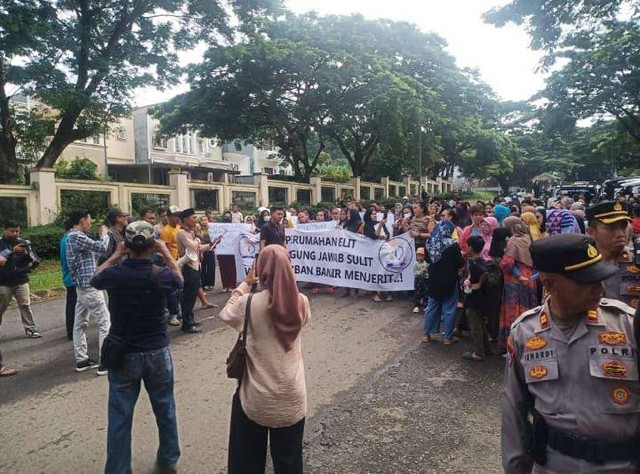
(237, 360)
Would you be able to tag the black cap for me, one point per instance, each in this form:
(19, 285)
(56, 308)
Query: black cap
(572, 255)
(608, 212)
(187, 213)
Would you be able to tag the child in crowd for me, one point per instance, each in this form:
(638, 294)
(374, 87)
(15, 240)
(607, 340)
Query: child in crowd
(475, 300)
(420, 270)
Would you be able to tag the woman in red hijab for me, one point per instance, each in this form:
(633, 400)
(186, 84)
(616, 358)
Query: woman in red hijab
(271, 401)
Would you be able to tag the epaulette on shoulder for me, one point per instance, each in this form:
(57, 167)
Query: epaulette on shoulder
(527, 314)
(622, 306)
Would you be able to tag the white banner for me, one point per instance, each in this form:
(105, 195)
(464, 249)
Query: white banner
(229, 233)
(341, 258)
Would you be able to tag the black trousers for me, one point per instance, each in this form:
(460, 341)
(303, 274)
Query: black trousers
(192, 284)
(248, 445)
(70, 310)
(208, 269)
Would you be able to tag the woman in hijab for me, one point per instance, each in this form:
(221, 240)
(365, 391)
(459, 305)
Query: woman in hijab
(271, 401)
(560, 221)
(354, 221)
(500, 212)
(227, 263)
(445, 258)
(520, 292)
(487, 226)
(530, 220)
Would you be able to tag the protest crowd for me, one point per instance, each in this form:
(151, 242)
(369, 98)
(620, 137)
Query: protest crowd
(511, 274)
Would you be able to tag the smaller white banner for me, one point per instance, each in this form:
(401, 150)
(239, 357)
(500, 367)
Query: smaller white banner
(229, 232)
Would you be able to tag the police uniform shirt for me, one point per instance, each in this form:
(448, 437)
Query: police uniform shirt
(625, 285)
(585, 383)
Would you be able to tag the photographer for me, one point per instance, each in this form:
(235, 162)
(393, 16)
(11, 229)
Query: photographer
(137, 290)
(16, 259)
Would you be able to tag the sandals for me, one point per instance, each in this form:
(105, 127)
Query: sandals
(315, 290)
(448, 342)
(426, 338)
(377, 298)
(472, 356)
(7, 371)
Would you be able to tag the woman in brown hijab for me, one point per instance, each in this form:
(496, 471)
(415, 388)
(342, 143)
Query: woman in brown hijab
(519, 292)
(271, 401)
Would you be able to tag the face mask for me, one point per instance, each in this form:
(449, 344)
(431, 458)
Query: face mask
(407, 215)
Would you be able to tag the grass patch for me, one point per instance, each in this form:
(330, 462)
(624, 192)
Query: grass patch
(47, 276)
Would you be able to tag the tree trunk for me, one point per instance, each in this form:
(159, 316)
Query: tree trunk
(65, 134)
(9, 167)
(504, 184)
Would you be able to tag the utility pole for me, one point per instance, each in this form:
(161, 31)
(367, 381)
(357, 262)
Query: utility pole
(420, 160)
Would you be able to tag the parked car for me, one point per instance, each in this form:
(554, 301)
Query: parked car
(612, 186)
(591, 191)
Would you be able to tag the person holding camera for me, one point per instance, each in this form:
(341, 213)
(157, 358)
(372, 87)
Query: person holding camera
(16, 259)
(271, 401)
(137, 291)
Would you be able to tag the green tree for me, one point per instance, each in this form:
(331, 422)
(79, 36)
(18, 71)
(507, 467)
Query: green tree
(259, 90)
(84, 58)
(551, 22)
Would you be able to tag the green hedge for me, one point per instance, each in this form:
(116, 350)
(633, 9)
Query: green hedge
(45, 239)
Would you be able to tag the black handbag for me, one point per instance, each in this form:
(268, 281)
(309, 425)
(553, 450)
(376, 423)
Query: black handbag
(237, 360)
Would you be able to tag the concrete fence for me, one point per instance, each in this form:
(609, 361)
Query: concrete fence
(44, 197)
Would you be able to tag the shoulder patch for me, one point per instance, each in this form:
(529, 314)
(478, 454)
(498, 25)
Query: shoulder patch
(527, 314)
(623, 307)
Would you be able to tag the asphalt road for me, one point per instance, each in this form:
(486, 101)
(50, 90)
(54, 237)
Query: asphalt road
(379, 400)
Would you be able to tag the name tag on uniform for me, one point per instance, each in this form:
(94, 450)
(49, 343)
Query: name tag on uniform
(613, 362)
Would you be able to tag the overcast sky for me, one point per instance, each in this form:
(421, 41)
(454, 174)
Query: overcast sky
(501, 54)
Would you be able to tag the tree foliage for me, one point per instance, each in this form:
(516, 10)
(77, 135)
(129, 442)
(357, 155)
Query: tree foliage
(85, 58)
(365, 88)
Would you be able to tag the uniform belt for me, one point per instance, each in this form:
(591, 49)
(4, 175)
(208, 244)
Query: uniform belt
(579, 447)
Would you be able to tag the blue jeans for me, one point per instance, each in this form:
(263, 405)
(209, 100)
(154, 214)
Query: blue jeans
(432, 312)
(156, 369)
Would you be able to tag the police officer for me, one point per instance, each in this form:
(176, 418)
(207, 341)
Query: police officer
(571, 392)
(609, 225)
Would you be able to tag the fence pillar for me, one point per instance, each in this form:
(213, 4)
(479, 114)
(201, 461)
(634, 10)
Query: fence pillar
(262, 181)
(316, 193)
(385, 182)
(407, 184)
(44, 181)
(178, 180)
(356, 185)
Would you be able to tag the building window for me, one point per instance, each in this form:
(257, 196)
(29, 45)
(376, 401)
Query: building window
(277, 196)
(365, 193)
(303, 196)
(346, 193)
(267, 171)
(244, 199)
(204, 199)
(378, 194)
(393, 190)
(121, 133)
(200, 144)
(328, 195)
(403, 191)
